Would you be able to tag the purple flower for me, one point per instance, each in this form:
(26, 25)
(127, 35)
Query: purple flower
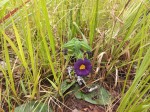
(82, 67)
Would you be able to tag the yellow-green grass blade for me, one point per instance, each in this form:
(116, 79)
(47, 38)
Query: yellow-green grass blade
(21, 51)
(10, 74)
(43, 40)
(139, 74)
(78, 29)
(142, 89)
(12, 45)
(48, 55)
(2, 3)
(53, 84)
(30, 47)
(48, 27)
(23, 87)
(35, 85)
(16, 52)
(6, 96)
(132, 24)
(93, 22)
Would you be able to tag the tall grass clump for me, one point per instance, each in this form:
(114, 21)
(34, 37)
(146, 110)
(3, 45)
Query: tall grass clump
(32, 63)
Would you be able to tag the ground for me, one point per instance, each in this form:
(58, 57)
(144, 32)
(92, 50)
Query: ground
(77, 105)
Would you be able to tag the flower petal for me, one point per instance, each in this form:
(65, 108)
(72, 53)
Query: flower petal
(82, 72)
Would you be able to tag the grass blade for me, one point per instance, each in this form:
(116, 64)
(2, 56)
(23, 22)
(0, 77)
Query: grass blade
(93, 22)
(132, 90)
(11, 78)
(48, 27)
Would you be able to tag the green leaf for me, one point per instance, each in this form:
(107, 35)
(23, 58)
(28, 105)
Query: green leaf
(99, 96)
(66, 85)
(33, 106)
(79, 54)
(75, 46)
(70, 44)
(85, 46)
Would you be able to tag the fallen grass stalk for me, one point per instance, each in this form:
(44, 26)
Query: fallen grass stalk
(12, 12)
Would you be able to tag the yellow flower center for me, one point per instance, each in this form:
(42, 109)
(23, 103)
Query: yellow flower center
(82, 67)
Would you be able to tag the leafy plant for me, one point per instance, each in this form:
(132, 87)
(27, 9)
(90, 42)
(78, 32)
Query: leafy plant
(99, 96)
(65, 86)
(32, 38)
(33, 106)
(76, 48)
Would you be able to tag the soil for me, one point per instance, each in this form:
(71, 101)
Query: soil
(77, 105)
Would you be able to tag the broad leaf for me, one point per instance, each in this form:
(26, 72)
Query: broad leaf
(85, 46)
(65, 85)
(99, 96)
(32, 106)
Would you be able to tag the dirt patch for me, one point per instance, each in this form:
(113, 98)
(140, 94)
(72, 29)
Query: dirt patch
(73, 104)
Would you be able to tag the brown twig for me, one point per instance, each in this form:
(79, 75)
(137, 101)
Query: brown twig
(12, 12)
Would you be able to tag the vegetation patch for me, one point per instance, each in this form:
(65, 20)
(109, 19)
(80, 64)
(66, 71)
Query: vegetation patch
(74, 56)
